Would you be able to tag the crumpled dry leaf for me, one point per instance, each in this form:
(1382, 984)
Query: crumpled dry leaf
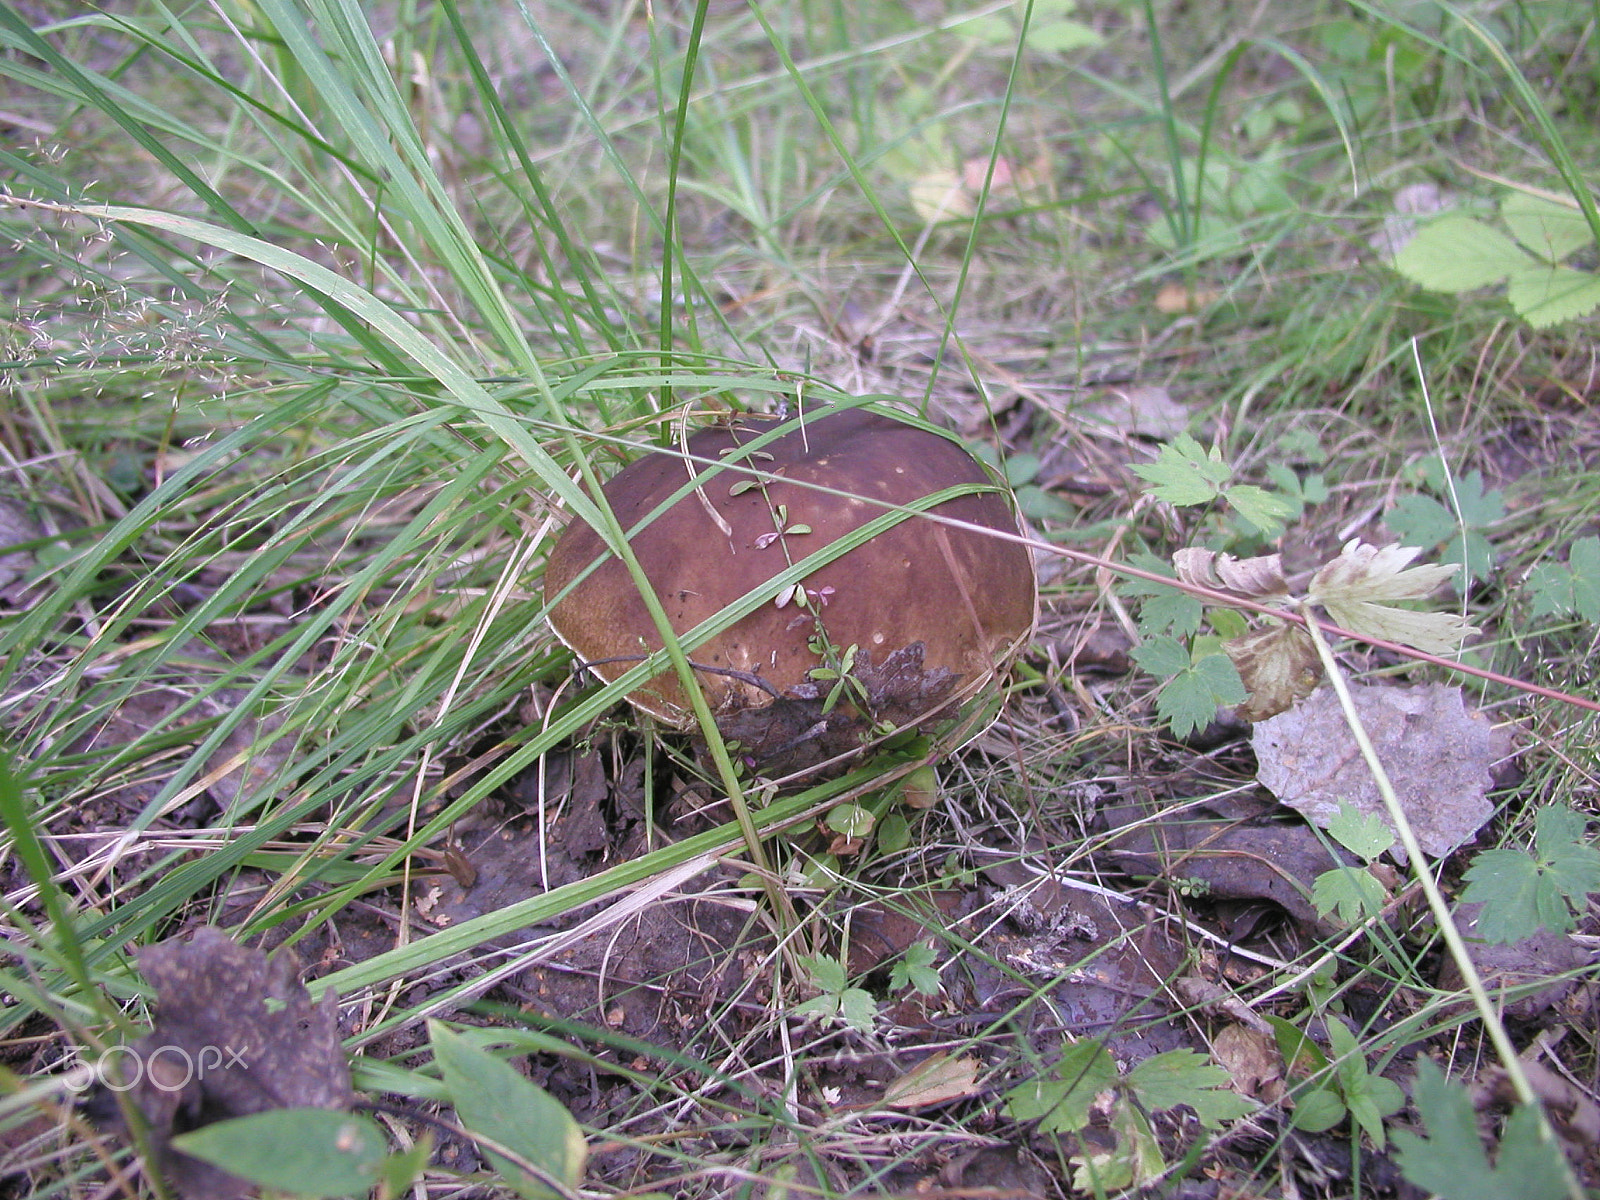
(1251, 1058)
(1278, 666)
(235, 1034)
(1551, 960)
(935, 1080)
(1359, 586)
(1438, 754)
(1259, 578)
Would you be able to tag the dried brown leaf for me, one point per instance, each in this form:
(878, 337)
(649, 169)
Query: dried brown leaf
(1278, 666)
(1259, 578)
(1438, 754)
(1359, 587)
(935, 1080)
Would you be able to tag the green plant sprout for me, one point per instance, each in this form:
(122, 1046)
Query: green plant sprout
(839, 1001)
(1325, 1090)
(1063, 1099)
(1354, 894)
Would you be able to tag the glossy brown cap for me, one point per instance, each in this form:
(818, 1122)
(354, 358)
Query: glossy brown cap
(932, 608)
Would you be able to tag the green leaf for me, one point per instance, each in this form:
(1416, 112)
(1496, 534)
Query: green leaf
(850, 820)
(492, 1099)
(894, 833)
(1458, 254)
(1545, 296)
(1583, 560)
(1021, 469)
(1419, 520)
(1552, 231)
(1059, 1098)
(1351, 892)
(916, 970)
(1555, 827)
(1265, 510)
(1451, 1162)
(1515, 896)
(1570, 588)
(1185, 473)
(1317, 1110)
(1162, 657)
(304, 1151)
(1478, 507)
(1364, 834)
(1190, 698)
(858, 1009)
(826, 973)
(1187, 1077)
(1170, 611)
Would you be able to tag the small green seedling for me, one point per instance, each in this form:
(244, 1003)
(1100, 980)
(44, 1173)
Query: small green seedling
(1325, 1091)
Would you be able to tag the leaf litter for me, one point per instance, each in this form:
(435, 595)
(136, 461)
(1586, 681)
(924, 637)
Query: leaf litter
(1440, 756)
(235, 1033)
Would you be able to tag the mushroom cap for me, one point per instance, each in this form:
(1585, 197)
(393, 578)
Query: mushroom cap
(932, 609)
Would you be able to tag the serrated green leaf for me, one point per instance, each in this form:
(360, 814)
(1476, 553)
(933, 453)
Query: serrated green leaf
(1265, 510)
(1574, 871)
(858, 1009)
(1364, 834)
(1508, 883)
(494, 1100)
(1421, 521)
(1552, 231)
(1458, 254)
(827, 974)
(1451, 1162)
(1545, 296)
(1478, 507)
(1185, 473)
(1352, 893)
(1555, 827)
(1472, 551)
(1188, 702)
(1583, 560)
(1550, 586)
(1170, 611)
(1218, 673)
(1530, 1166)
(1187, 1077)
(1573, 588)
(1162, 657)
(1060, 1098)
(310, 1152)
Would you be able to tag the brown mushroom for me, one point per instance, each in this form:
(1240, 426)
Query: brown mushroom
(916, 618)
